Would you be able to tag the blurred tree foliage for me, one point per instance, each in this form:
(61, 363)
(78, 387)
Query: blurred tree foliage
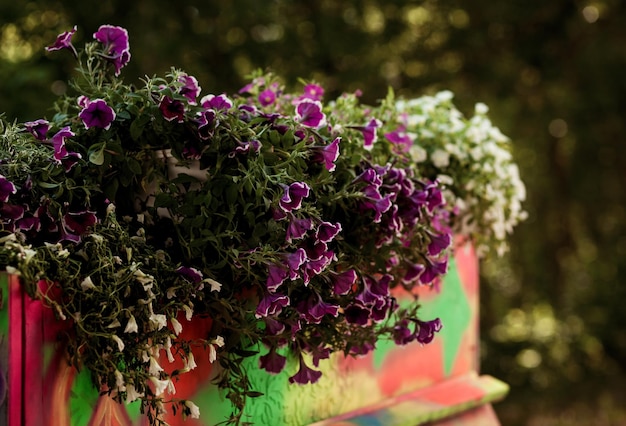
(552, 73)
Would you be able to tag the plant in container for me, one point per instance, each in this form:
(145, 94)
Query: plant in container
(284, 222)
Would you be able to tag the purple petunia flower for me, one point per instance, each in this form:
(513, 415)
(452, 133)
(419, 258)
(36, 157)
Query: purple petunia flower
(294, 261)
(438, 243)
(327, 154)
(172, 109)
(70, 160)
(313, 91)
(343, 281)
(38, 128)
(305, 374)
(402, 334)
(298, 228)
(64, 41)
(413, 271)
(273, 327)
(432, 270)
(327, 231)
(380, 206)
(401, 139)
(58, 143)
(293, 195)
(267, 97)
(314, 309)
(11, 212)
(246, 147)
(309, 113)
(427, 330)
(276, 275)
(220, 102)
(432, 196)
(6, 189)
(190, 274)
(363, 349)
(75, 224)
(272, 362)
(97, 113)
(357, 313)
(115, 40)
(190, 89)
(369, 132)
(271, 304)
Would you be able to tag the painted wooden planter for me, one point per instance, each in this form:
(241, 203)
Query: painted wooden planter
(435, 384)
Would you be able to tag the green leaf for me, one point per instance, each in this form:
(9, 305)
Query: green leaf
(97, 155)
(48, 185)
(137, 126)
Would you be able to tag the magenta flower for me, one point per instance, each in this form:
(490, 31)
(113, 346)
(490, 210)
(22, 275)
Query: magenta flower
(293, 195)
(305, 374)
(272, 362)
(75, 224)
(369, 132)
(267, 97)
(271, 304)
(58, 143)
(220, 102)
(38, 128)
(172, 109)
(313, 91)
(309, 113)
(343, 281)
(400, 138)
(413, 271)
(246, 147)
(402, 334)
(432, 270)
(434, 198)
(190, 89)
(314, 309)
(64, 41)
(294, 261)
(327, 231)
(327, 154)
(190, 274)
(298, 228)
(97, 113)
(427, 329)
(70, 160)
(276, 275)
(357, 314)
(438, 243)
(115, 40)
(6, 189)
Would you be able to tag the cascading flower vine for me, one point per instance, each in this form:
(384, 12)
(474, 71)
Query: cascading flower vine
(305, 218)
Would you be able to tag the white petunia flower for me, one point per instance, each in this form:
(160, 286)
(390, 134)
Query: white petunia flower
(159, 385)
(119, 381)
(120, 344)
(176, 326)
(87, 284)
(190, 362)
(194, 411)
(215, 286)
(132, 394)
(131, 325)
(440, 158)
(158, 321)
(154, 368)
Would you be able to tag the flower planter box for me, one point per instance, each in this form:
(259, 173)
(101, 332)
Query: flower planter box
(436, 383)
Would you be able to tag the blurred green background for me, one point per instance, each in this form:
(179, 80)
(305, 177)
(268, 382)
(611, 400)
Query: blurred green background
(554, 75)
